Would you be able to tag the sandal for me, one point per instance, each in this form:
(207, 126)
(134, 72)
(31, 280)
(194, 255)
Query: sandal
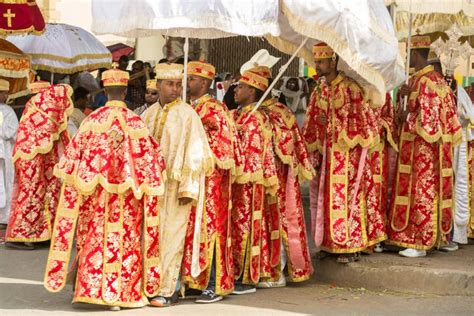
(161, 301)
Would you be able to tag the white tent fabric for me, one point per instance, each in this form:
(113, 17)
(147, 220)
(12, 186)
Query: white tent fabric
(185, 18)
(434, 6)
(359, 31)
(64, 48)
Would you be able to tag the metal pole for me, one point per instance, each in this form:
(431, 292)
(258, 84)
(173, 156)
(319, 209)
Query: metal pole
(275, 80)
(185, 75)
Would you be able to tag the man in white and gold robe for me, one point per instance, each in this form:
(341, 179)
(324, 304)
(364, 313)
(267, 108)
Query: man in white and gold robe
(188, 158)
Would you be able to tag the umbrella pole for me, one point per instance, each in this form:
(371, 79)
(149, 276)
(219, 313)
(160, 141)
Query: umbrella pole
(185, 76)
(405, 100)
(52, 78)
(280, 73)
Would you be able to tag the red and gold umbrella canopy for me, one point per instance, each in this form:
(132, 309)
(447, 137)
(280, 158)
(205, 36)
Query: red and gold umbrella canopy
(14, 67)
(20, 16)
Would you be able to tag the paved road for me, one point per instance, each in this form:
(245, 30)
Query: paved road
(22, 293)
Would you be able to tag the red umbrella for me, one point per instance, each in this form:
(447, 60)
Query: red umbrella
(20, 16)
(120, 49)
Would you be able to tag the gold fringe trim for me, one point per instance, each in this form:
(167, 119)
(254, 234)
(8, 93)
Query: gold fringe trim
(304, 174)
(227, 164)
(315, 146)
(87, 188)
(68, 71)
(71, 60)
(390, 139)
(102, 127)
(345, 141)
(455, 139)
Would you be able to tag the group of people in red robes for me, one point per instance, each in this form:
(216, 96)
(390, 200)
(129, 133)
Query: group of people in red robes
(192, 195)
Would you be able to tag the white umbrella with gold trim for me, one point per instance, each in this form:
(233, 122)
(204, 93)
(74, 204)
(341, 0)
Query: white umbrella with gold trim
(64, 49)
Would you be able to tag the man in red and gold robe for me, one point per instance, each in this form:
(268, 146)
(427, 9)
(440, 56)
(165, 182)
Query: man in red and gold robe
(217, 277)
(286, 241)
(258, 179)
(422, 208)
(111, 174)
(339, 130)
(382, 158)
(41, 139)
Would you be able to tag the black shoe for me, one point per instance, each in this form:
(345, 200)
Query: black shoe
(208, 296)
(244, 289)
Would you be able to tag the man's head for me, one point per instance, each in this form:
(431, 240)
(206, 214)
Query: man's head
(115, 84)
(169, 82)
(123, 62)
(151, 93)
(81, 98)
(137, 66)
(325, 59)
(4, 88)
(250, 88)
(200, 76)
(420, 49)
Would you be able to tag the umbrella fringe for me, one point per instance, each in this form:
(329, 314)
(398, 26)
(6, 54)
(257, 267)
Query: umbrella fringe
(323, 33)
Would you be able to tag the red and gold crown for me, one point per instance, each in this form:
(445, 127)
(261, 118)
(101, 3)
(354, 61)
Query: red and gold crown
(322, 51)
(151, 84)
(169, 71)
(263, 71)
(115, 77)
(254, 80)
(201, 69)
(420, 41)
(37, 86)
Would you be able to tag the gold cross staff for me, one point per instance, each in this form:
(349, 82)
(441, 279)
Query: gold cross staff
(9, 16)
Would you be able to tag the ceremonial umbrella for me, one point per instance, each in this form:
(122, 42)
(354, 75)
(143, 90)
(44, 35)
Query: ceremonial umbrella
(359, 31)
(120, 49)
(20, 17)
(15, 68)
(64, 49)
(428, 16)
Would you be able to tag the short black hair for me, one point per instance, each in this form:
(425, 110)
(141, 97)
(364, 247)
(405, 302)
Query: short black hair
(80, 93)
(163, 61)
(124, 58)
(115, 90)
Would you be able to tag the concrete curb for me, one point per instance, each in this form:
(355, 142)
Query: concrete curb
(407, 279)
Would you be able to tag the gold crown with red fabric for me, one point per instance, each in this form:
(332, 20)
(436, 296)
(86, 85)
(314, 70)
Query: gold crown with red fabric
(263, 71)
(39, 85)
(169, 71)
(151, 84)
(201, 69)
(254, 80)
(322, 51)
(420, 41)
(115, 77)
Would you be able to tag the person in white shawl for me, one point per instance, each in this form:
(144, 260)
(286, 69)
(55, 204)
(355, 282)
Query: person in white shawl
(8, 129)
(462, 183)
